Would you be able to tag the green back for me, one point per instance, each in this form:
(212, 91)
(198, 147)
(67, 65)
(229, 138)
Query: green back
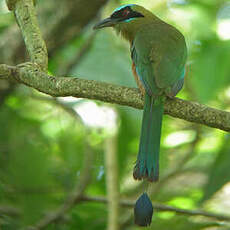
(159, 53)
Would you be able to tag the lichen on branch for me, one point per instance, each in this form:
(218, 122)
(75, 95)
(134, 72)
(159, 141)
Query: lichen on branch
(31, 75)
(27, 21)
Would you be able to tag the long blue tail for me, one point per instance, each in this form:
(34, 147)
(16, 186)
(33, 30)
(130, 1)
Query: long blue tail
(147, 165)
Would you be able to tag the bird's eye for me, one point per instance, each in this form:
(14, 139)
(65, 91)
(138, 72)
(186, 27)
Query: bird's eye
(116, 14)
(125, 13)
(121, 13)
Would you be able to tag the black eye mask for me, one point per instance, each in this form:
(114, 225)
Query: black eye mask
(125, 13)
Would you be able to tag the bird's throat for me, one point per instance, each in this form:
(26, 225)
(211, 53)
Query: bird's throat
(128, 30)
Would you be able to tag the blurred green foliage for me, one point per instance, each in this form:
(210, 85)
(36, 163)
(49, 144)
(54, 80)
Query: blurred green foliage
(43, 143)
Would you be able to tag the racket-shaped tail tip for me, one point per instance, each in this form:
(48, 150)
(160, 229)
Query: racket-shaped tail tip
(143, 211)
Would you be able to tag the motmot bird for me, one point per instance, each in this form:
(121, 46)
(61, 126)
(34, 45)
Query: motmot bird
(158, 52)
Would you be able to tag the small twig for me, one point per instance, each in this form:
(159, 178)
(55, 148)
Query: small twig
(162, 207)
(9, 211)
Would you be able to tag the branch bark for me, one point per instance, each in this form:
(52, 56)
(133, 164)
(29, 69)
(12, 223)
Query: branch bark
(26, 18)
(31, 75)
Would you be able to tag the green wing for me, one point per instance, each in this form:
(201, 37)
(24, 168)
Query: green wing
(159, 54)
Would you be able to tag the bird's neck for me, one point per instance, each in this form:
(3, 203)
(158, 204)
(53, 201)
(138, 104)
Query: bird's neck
(127, 34)
(130, 29)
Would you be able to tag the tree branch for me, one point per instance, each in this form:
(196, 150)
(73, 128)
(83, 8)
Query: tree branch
(31, 75)
(162, 207)
(9, 211)
(26, 18)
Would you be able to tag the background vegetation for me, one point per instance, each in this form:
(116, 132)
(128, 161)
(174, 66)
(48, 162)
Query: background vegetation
(51, 148)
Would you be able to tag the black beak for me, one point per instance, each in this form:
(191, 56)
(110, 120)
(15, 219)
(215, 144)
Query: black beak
(108, 22)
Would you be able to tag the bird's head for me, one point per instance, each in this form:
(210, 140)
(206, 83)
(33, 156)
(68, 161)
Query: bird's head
(126, 19)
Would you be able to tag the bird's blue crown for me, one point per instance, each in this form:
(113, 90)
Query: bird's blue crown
(123, 6)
